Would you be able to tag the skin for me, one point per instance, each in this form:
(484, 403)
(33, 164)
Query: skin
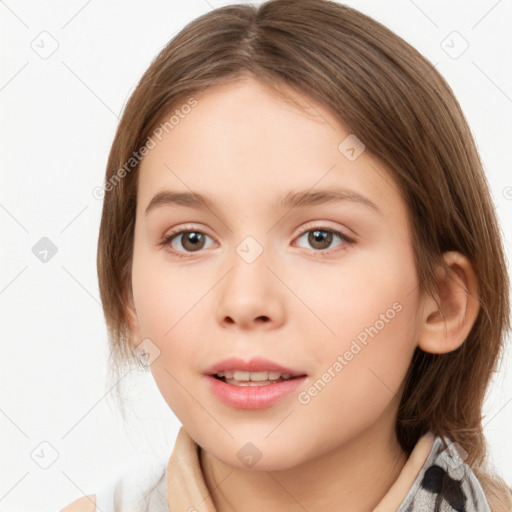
(244, 147)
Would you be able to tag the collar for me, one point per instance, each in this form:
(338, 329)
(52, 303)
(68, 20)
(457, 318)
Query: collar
(434, 476)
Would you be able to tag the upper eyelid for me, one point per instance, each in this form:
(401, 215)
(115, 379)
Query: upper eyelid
(311, 225)
(184, 229)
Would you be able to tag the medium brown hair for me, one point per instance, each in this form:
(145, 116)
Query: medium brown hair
(388, 95)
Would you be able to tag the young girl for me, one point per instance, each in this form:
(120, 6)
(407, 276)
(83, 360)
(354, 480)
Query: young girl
(299, 242)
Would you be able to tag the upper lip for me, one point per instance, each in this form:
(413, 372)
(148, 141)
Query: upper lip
(256, 364)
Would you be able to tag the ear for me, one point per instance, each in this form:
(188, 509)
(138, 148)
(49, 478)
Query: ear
(133, 320)
(445, 325)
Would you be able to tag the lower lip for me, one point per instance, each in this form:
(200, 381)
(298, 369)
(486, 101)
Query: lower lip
(253, 397)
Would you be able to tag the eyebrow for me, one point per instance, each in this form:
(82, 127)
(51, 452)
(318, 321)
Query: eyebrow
(302, 198)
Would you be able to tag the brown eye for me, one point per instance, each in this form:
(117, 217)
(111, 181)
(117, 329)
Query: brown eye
(321, 239)
(190, 241)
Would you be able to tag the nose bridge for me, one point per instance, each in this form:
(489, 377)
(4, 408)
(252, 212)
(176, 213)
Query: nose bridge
(250, 291)
(249, 274)
(251, 235)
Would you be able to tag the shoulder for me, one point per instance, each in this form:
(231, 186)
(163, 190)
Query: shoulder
(84, 504)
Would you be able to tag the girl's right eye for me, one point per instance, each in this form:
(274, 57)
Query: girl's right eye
(191, 240)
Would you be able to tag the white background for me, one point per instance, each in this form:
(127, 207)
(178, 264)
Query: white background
(58, 118)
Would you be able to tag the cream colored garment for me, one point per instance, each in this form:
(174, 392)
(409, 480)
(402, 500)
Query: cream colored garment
(432, 479)
(188, 491)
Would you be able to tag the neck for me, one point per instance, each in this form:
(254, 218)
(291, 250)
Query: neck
(357, 474)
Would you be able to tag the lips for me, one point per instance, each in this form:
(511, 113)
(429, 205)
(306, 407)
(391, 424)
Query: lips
(257, 364)
(243, 394)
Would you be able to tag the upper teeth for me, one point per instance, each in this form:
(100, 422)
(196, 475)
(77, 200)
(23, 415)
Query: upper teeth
(255, 376)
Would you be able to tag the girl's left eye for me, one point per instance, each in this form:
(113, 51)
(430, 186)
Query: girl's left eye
(193, 240)
(321, 238)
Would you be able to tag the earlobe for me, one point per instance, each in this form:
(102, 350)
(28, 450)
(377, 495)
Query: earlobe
(447, 319)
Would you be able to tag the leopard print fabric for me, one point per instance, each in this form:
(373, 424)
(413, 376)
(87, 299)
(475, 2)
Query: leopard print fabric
(445, 484)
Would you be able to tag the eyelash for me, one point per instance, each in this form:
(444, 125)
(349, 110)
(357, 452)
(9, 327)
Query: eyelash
(167, 239)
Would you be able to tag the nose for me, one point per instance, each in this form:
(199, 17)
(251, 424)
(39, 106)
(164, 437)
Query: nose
(250, 296)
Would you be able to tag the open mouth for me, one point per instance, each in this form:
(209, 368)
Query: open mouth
(257, 389)
(242, 378)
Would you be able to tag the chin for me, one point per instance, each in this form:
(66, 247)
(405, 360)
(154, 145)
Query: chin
(256, 456)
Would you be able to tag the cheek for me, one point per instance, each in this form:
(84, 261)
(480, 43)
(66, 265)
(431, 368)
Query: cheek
(369, 310)
(360, 372)
(163, 293)
(166, 306)
(352, 295)
(174, 312)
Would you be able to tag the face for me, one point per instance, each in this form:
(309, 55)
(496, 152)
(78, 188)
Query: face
(324, 287)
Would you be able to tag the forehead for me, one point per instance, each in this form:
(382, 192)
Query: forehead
(244, 140)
